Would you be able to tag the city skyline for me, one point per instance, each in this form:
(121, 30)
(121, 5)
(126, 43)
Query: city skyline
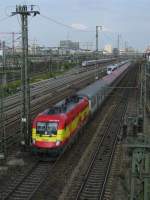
(76, 20)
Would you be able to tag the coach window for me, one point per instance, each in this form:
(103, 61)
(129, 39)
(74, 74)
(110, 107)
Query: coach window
(93, 102)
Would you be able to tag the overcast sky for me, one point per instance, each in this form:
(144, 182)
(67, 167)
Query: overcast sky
(130, 18)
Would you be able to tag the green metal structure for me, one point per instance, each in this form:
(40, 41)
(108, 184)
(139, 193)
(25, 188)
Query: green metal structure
(139, 144)
(140, 174)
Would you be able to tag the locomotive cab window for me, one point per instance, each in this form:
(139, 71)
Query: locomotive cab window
(52, 128)
(41, 127)
(47, 128)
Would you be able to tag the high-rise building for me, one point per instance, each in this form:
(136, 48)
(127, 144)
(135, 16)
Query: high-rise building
(108, 48)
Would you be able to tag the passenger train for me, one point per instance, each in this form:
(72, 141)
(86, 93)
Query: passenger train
(55, 128)
(113, 67)
(94, 62)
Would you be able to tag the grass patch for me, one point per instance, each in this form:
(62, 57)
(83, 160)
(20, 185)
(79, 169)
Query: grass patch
(15, 86)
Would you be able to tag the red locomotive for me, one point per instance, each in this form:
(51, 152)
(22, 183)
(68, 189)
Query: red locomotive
(55, 127)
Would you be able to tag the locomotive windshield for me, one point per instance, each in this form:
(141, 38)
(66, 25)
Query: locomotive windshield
(47, 128)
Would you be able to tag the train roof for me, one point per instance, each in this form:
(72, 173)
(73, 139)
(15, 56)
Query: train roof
(64, 106)
(111, 66)
(107, 80)
(92, 89)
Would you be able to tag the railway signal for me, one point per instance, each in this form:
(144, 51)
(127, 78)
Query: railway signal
(24, 11)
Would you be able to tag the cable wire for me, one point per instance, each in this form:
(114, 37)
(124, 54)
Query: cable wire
(62, 24)
(4, 18)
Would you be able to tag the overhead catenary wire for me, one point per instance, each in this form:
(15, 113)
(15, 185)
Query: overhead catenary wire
(76, 29)
(54, 21)
(109, 37)
(106, 33)
(63, 24)
(4, 18)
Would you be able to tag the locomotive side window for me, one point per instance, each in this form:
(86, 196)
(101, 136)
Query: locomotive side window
(93, 101)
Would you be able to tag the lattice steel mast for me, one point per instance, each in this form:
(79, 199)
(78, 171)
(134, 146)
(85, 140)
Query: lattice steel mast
(25, 11)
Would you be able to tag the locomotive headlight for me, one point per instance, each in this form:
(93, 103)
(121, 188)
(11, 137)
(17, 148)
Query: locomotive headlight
(57, 143)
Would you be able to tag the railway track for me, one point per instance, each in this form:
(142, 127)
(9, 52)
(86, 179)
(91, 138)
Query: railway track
(94, 183)
(44, 86)
(57, 174)
(121, 155)
(25, 185)
(53, 93)
(90, 182)
(42, 89)
(95, 179)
